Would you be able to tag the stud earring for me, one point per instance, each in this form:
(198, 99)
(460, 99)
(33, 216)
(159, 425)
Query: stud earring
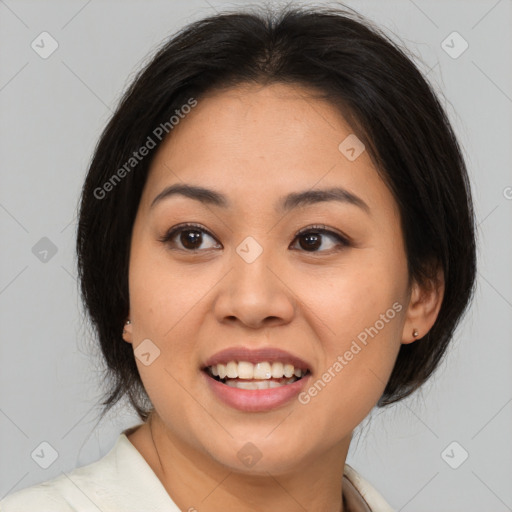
(128, 322)
(415, 333)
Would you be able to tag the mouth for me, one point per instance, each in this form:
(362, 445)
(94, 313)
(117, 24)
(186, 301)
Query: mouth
(256, 380)
(253, 376)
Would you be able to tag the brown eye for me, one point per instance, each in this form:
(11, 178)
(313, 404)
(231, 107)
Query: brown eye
(311, 241)
(191, 237)
(312, 238)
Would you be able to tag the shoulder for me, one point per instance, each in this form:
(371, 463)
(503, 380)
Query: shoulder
(65, 493)
(365, 491)
(54, 495)
(120, 480)
(79, 489)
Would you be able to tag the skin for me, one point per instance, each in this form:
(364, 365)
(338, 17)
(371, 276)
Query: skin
(256, 144)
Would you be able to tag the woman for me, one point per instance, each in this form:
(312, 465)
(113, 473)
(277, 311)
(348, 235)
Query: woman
(276, 234)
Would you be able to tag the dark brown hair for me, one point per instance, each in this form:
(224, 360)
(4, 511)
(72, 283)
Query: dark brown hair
(377, 88)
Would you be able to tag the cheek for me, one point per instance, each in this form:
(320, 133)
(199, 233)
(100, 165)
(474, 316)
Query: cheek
(359, 317)
(351, 298)
(164, 297)
(159, 298)
(162, 291)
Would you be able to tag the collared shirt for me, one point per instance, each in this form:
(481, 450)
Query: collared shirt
(122, 481)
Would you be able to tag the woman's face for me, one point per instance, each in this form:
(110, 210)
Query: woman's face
(243, 278)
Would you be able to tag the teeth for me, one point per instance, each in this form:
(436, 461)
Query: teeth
(261, 371)
(232, 370)
(262, 384)
(277, 370)
(288, 370)
(244, 371)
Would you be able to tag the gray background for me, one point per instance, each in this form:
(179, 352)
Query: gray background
(52, 112)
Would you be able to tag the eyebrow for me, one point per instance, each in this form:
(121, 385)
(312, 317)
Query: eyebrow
(285, 204)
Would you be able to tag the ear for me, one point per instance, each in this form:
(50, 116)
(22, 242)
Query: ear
(424, 306)
(127, 332)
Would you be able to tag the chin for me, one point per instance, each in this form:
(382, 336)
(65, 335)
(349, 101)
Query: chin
(259, 455)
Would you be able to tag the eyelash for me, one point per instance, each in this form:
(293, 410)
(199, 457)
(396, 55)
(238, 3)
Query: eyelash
(316, 229)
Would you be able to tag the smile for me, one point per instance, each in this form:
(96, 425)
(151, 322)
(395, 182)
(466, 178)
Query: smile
(262, 375)
(256, 394)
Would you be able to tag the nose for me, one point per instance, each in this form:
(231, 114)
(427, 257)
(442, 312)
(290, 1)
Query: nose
(255, 294)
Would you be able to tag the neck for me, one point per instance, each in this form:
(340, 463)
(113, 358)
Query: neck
(197, 482)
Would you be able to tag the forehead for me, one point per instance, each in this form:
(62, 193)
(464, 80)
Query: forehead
(277, 118)
(266, 140)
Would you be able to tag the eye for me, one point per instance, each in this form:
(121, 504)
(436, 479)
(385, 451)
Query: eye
(191, 237)
(313, 238)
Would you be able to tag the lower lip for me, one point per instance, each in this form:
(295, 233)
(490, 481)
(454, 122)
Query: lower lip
(256, 400)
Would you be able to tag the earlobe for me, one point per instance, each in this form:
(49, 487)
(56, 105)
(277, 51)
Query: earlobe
(127, 331)
(424, 306)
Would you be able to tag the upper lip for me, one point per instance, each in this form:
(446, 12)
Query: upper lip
(270, 354)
